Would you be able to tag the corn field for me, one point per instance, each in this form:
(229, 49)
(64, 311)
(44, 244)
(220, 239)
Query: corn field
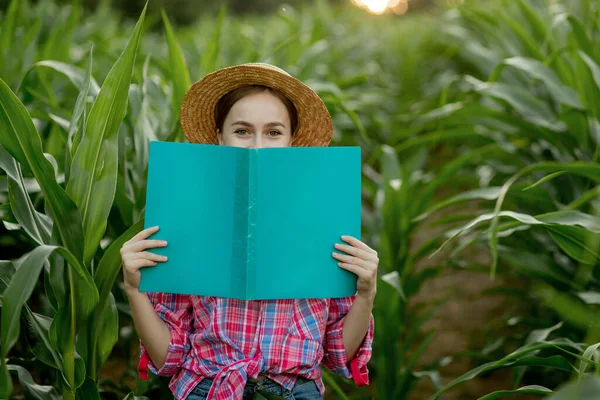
(479, 125)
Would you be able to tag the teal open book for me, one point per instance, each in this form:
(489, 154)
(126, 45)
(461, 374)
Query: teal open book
(252, 223)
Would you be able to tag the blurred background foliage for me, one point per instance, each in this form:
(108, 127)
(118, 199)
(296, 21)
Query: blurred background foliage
(479, 123)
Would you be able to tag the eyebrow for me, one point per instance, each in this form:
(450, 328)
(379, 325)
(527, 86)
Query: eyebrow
(248, 124)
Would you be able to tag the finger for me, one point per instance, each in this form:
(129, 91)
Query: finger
(141, 263)
(358, 244)
(352, 260)
(355, 269)
(365, 275)
(149, 256)
(144, 234)
(145, 244)
(354, 251)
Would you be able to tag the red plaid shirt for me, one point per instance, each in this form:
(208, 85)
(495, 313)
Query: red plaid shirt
(232, 340)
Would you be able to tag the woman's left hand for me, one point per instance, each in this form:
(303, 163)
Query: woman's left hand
(361, 260)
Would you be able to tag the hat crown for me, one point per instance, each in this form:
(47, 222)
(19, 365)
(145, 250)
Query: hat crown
(267, 66)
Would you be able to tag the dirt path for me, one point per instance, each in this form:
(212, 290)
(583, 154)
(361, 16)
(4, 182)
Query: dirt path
(463, 323)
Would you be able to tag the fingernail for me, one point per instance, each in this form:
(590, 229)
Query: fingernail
(164, 242)
(165, 258)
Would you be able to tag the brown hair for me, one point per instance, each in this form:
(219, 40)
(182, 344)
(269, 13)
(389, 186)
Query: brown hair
(226, 102)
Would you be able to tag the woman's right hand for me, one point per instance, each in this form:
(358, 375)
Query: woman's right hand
(134, 257)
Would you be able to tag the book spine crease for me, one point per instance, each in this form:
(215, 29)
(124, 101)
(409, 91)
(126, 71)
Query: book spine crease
(251, 243)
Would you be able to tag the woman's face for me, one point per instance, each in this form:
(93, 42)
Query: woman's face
(256, 121)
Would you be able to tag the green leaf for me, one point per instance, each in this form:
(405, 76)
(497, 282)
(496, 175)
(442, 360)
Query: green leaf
(590, 170)
(104, 279)
(534, 22)
(390, 166)
(594, 68)
(561, 93)
(93, 178)
(20, 288)
(7, 34)
(540, 335)
(573, 241)
(7, 270)
(587, 297)
(18, 291)
(523, 218)
(591, 353)
(88, 391)
(532, 389)
(178, 69)
(414, 358)
(36, 224)
(571, 309)
(517, 358)
(547, 178)
(209, 59)
(333, 385)
(76, 75)
(580, 34)
(393, 279)
(572, 218)
(529, 44)
(443, 136)
(43, 351)
(132, 396)
(488, 193)
(555, 362)
(20, 138)
(143, 134)
(531, 108)
(109, 331)
(586, 389)
(538, 267)
(30, 389)
(75, 131)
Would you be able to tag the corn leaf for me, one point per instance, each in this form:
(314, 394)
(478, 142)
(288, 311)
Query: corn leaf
(35, 223)
(178, 68)
(20, 288)
(20, 138)
(76, 75)
(30, 389)
(104, 278)
(586, 389)
(93, 178)
(530, 389)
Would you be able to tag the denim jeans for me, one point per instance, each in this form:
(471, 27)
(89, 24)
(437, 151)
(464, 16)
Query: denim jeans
(304, 389)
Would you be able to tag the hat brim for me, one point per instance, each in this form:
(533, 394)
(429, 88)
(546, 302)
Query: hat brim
(197, 113)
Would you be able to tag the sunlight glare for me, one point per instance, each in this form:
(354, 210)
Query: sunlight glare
(381, 6)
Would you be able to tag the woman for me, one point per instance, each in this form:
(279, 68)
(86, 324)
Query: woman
(220, 348)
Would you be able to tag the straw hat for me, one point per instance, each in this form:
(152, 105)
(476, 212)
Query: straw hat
(197, 113)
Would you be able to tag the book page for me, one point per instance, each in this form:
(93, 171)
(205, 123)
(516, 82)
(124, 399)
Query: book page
(306, 199)
(191, 194)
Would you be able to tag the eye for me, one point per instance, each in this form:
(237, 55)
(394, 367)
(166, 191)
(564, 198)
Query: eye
(241, 132)
(274, 133)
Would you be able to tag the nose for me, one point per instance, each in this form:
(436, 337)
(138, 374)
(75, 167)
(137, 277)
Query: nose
(256, 142)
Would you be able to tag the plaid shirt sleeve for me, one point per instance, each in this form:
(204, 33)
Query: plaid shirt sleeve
(176, 311)
(334, 357)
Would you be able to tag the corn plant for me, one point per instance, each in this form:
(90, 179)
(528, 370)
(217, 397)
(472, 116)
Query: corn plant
(533, 92)
(78, 276)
